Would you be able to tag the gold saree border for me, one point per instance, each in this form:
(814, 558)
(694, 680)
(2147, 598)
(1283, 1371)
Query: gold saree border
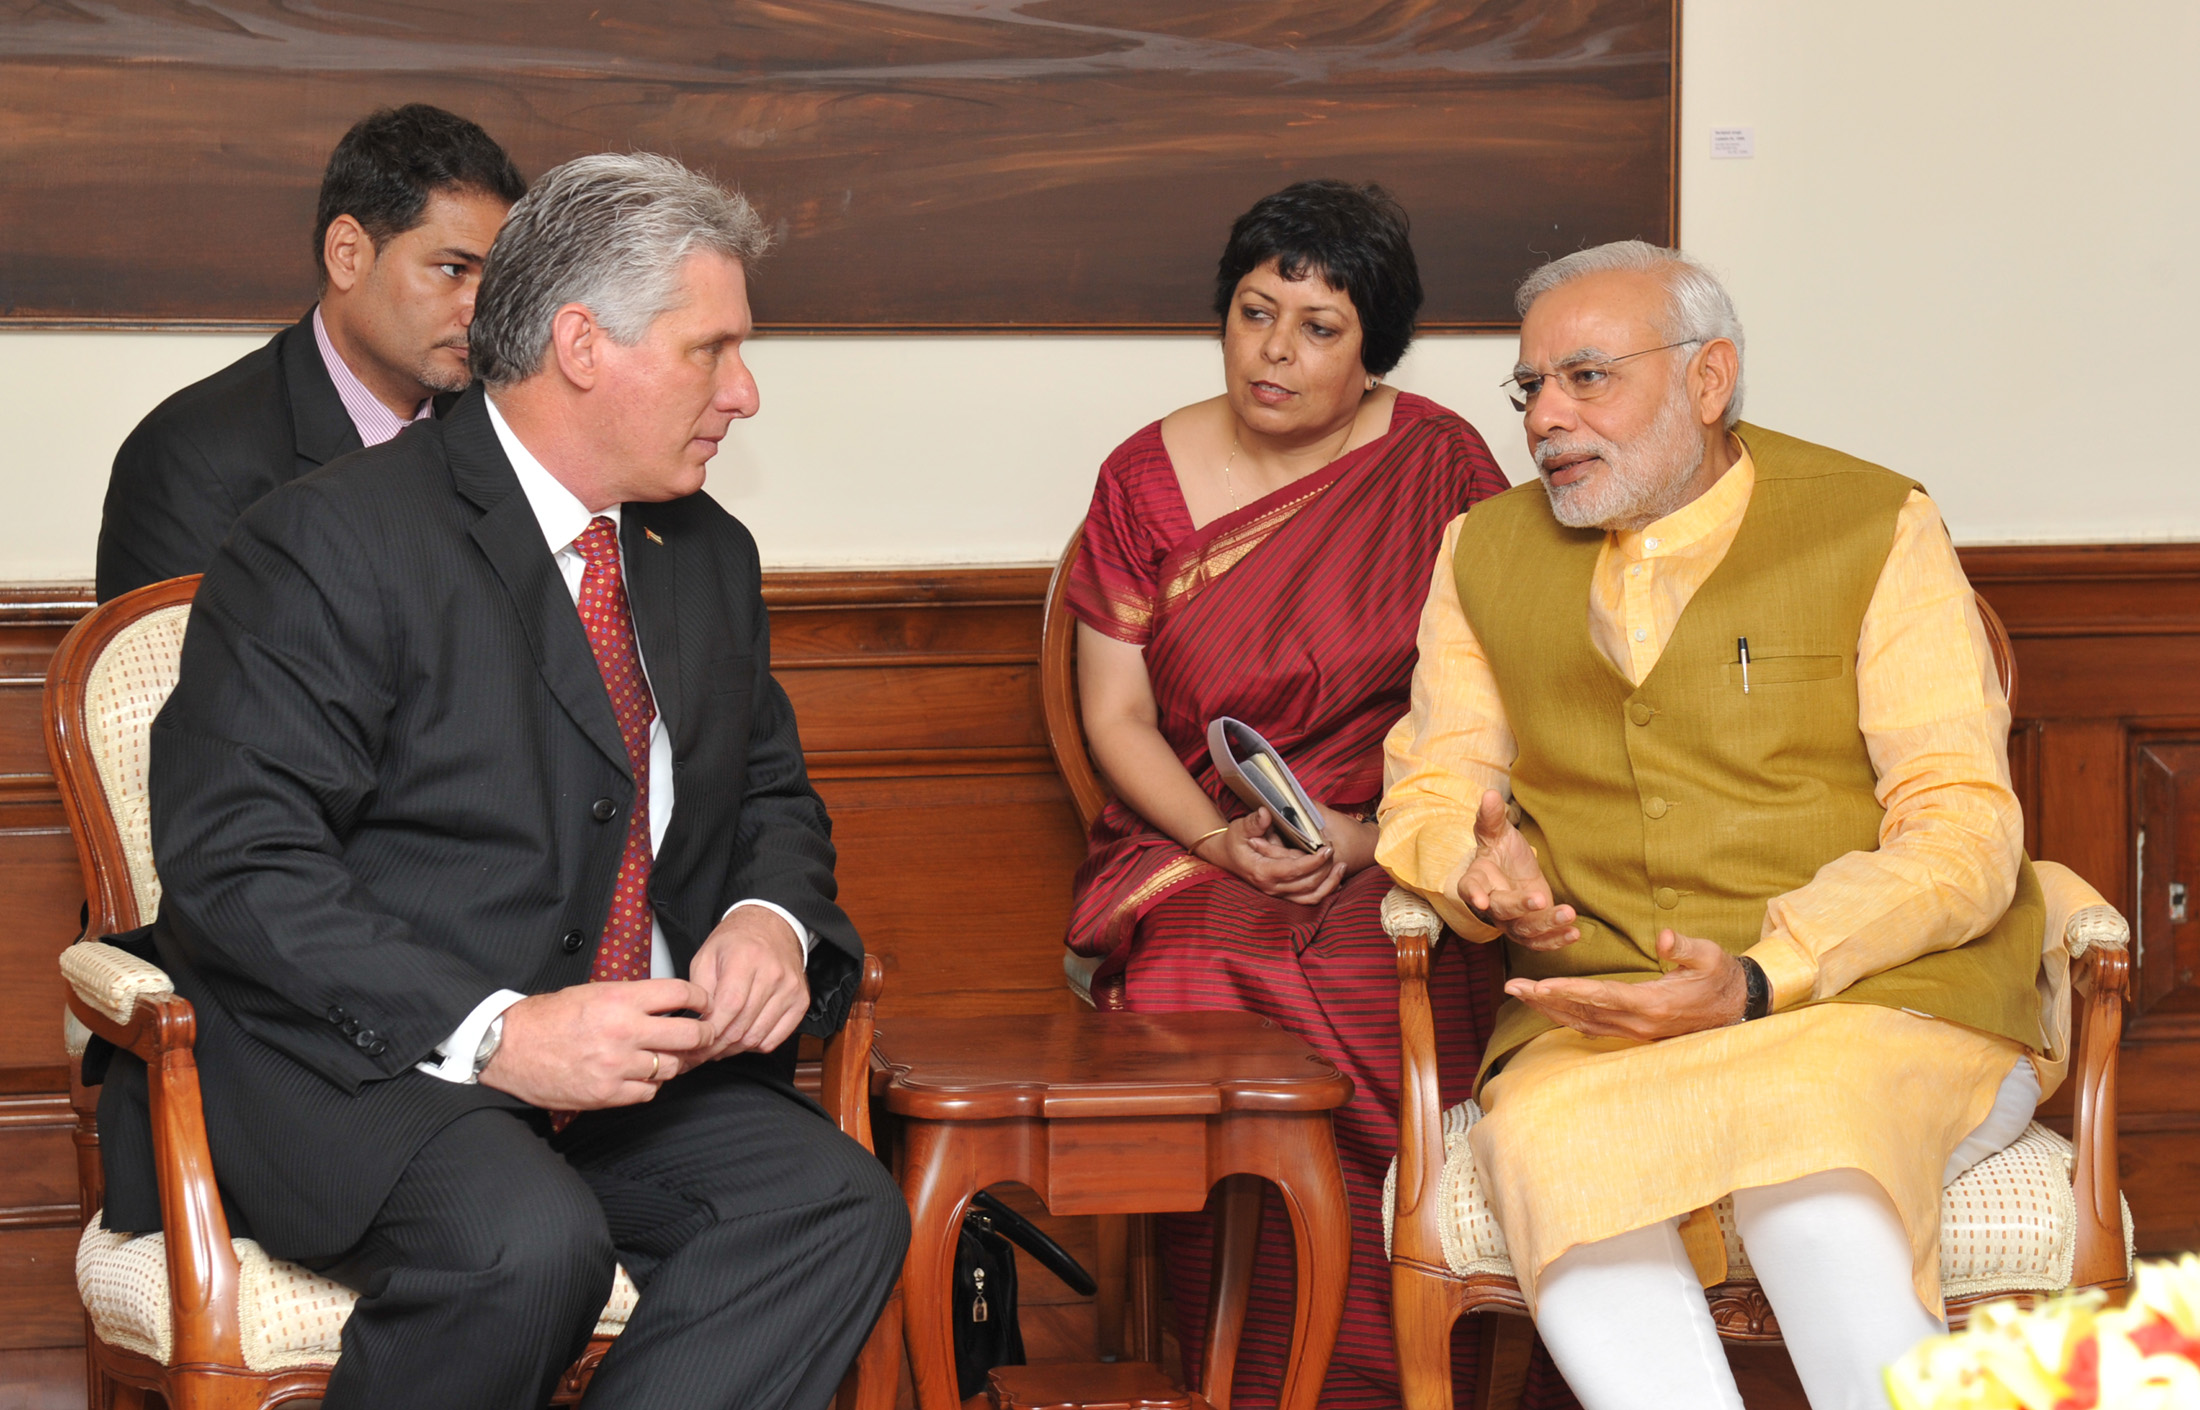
(1171, 874)
(1229, 547)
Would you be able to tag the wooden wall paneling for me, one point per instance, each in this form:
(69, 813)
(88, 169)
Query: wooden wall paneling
(2166, 907)
(2084, 814)
(918, 697)
(40, 897)
(2089, 590)
(961, 885)
(38, 1305)
(2108, 648)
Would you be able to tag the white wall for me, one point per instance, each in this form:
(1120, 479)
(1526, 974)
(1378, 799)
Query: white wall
(1952, 251)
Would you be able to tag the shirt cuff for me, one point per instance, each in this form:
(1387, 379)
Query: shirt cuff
(458, 1050)
(1464, 923)
(1791, 972)
(801, 931)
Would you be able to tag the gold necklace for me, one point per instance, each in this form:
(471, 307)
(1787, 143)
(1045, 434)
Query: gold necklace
(1230, 483)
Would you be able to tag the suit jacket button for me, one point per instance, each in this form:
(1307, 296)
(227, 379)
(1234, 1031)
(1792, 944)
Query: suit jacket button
(377, 1048)
(336, 1013)
(604, 810)
(350, 1026)
(572, 941)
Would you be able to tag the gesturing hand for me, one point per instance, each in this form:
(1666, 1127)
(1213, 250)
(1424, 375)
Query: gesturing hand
(597, 1045)
(1705, 990)
(1504, 884)
(758, 979)
(1249, 850)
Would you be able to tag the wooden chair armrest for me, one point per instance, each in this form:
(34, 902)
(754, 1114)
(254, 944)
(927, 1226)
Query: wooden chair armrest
(846, 1094)
(112, 980)
(159, 1028)
(2099, 942)
(1415, 1230)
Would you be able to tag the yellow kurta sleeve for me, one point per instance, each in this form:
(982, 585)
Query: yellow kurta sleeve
(1453, 744)
(1936, 724)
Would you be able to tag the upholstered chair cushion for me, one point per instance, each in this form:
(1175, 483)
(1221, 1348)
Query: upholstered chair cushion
(127, 685)
(289, 1316)
(2007, 1225)
(111, 980)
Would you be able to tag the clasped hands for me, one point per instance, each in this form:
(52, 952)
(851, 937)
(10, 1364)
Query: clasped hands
(604, 1045)
(1250, 849)
(1504, 887)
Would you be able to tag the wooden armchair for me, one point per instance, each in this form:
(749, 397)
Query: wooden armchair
(202, 1320)
(2044, 1215)
(1066, 738)
(1129, 1256)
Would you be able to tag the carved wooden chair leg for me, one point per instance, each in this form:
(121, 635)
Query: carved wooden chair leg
(99, 1392)
(1237, 1236)
(1422, 1311)
(122, 1397)
(1507, 1344)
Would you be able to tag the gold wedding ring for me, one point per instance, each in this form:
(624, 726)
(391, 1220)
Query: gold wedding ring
(656, 1060)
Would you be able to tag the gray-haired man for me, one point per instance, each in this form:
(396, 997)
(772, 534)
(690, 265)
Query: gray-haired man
(493, 870)
(1767, 918)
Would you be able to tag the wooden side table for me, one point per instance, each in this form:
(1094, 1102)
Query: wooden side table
(1120, 1113)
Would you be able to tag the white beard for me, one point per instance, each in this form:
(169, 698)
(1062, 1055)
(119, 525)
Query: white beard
(1642, 481)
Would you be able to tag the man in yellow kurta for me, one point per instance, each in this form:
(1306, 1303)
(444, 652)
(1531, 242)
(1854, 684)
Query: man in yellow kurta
(1769, 926)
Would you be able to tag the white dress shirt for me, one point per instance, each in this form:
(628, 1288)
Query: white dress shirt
(563, 519)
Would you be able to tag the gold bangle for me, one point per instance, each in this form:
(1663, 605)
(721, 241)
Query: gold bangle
(1193, 845)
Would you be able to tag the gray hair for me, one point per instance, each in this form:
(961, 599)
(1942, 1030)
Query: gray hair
(609, 232)
(1697, 308)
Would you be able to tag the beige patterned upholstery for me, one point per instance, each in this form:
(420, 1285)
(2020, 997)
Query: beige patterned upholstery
(111, 980)
(2099, 924)
(289, 1316)
(126, 687)
(1407, 914)
(2008, 1224)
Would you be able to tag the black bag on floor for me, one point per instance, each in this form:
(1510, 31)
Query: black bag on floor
(988, 1332)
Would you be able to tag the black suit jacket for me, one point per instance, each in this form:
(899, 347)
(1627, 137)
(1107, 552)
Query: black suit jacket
(211, 451)
(378, 797)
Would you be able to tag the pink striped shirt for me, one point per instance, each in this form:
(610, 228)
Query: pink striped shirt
(375, 422)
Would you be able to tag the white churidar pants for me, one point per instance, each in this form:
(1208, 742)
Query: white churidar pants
(1627, 1323)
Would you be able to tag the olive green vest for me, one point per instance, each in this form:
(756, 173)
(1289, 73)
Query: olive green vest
(1683, 801)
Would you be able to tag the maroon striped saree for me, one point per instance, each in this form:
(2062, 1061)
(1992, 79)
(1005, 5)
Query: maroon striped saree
(1297, 615)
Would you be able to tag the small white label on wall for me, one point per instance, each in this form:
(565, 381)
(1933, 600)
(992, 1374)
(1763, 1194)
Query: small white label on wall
(1733, 142)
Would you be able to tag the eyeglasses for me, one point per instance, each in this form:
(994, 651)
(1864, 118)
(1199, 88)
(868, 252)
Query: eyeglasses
(1585, 381)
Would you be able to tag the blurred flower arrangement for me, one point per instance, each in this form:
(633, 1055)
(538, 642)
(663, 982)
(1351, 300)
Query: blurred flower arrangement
(2067, 1354)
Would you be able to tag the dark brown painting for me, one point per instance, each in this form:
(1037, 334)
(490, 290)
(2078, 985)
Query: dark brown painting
(930, 164)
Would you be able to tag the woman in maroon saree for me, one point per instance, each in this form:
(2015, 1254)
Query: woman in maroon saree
(1265, 555)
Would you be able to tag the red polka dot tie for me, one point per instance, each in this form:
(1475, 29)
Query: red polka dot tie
(623, 952)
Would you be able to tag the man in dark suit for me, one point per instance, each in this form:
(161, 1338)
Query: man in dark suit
(492, 867)
(410, 203)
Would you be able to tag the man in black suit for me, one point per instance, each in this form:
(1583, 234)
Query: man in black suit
(492, 867)
(410, 203)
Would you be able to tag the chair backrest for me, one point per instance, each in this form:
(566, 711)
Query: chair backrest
(1058, 690)
(107, 681)
(2005, 653)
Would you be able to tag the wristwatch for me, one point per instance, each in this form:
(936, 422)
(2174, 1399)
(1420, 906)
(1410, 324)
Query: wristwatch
(490, 1038)
(1759, 1002)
